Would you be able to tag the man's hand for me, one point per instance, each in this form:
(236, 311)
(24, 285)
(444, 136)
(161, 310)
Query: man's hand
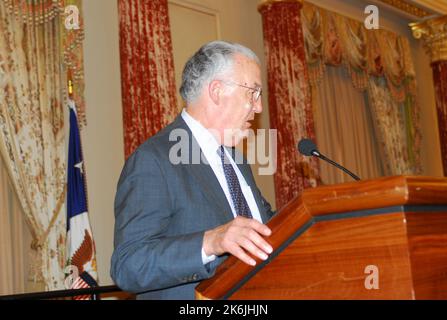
(239, 237)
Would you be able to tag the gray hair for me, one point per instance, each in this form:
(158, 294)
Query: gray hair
(211, 60)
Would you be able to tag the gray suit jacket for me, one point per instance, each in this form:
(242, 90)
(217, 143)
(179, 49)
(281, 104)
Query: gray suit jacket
(161, 213)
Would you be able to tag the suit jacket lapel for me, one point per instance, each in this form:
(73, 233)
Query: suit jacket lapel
(211, 186)
(205, 176)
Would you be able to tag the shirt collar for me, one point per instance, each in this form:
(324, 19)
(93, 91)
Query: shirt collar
(205, 139)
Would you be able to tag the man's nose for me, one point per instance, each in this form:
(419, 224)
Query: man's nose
(257, 106)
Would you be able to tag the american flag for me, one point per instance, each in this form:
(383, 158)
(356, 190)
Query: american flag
(80, 244)
(83, 281)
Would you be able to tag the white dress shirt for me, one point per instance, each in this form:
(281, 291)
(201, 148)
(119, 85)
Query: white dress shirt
(209, 146)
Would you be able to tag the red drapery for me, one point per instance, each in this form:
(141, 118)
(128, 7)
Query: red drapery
(440, 81)
(290, 105)
(147, 70)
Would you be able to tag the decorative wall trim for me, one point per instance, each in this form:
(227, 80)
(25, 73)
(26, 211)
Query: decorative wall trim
(433, 32)
(439, 7)
(407, 7)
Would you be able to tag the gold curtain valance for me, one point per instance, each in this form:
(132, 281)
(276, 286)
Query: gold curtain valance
(331, 38)
(35, 11)
(38, 13)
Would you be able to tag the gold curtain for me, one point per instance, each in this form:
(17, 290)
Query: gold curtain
(35, 50)
(12, 230)
(379, 63)
(344, 128)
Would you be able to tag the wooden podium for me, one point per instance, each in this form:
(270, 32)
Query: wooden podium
(376, 239)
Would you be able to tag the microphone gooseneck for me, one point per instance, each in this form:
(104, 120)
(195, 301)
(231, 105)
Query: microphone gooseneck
(308, 148)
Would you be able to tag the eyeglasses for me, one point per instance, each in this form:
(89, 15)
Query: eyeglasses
(256, 92)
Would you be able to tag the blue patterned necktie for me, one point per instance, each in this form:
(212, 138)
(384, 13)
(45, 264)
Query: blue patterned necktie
(240, 204)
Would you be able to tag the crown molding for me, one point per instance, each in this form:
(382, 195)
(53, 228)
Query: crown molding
(437, 7)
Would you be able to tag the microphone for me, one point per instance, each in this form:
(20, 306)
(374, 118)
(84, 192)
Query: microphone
(308, 148)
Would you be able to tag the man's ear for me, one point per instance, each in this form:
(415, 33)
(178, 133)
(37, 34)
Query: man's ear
(215, 91)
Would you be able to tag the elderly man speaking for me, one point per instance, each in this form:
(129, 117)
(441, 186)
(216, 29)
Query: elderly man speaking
(176, 221)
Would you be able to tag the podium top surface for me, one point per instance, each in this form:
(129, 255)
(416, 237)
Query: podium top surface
(377, 193)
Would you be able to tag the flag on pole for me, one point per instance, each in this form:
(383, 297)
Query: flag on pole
(81, 251)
